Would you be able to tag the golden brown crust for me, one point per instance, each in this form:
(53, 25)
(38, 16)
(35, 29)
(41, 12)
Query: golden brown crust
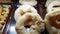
(53, 21)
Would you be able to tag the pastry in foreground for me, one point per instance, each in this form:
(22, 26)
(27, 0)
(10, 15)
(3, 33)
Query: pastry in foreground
(27, 17)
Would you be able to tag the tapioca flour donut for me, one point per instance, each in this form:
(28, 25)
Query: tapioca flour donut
(52, 20)
(27, 15)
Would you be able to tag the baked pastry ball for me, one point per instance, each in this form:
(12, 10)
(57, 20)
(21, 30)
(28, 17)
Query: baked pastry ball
(54, 5)
(52, 20)
(22, 10)
(28, 2)
(27, 15)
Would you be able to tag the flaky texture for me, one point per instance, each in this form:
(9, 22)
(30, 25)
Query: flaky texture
(28, 2)
(26, 15)
(55, 5)
(51, 29)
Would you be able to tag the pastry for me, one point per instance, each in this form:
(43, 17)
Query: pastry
(55, 5)
(28, 2)
(52, 20)
(27, 16)
(49, 1)
(2, 22)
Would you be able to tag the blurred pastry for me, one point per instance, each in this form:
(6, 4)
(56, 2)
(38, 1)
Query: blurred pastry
(2, 22)
(28, 2)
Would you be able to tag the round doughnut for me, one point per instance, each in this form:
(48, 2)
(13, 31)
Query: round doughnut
(28, 2)
(52, 20)
(22, 10)
(29, 19)
(27, 16)
(55, 5)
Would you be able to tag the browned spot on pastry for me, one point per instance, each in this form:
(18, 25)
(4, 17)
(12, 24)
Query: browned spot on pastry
(28, 21)
(22, 12)
(53, 21)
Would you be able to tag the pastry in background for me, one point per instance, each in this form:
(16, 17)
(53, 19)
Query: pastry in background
(5, 1)
(55, 5)
(28, 2)
(2, 22)
(4, 11)
(49, 1)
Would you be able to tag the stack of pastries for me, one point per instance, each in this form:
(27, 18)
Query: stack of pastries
(4, 11)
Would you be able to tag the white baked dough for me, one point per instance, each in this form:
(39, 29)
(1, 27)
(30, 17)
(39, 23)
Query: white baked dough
(28, 2)
(25, 13)
(55, 5)
(34, 29)
(49, 1)
(51, 29)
